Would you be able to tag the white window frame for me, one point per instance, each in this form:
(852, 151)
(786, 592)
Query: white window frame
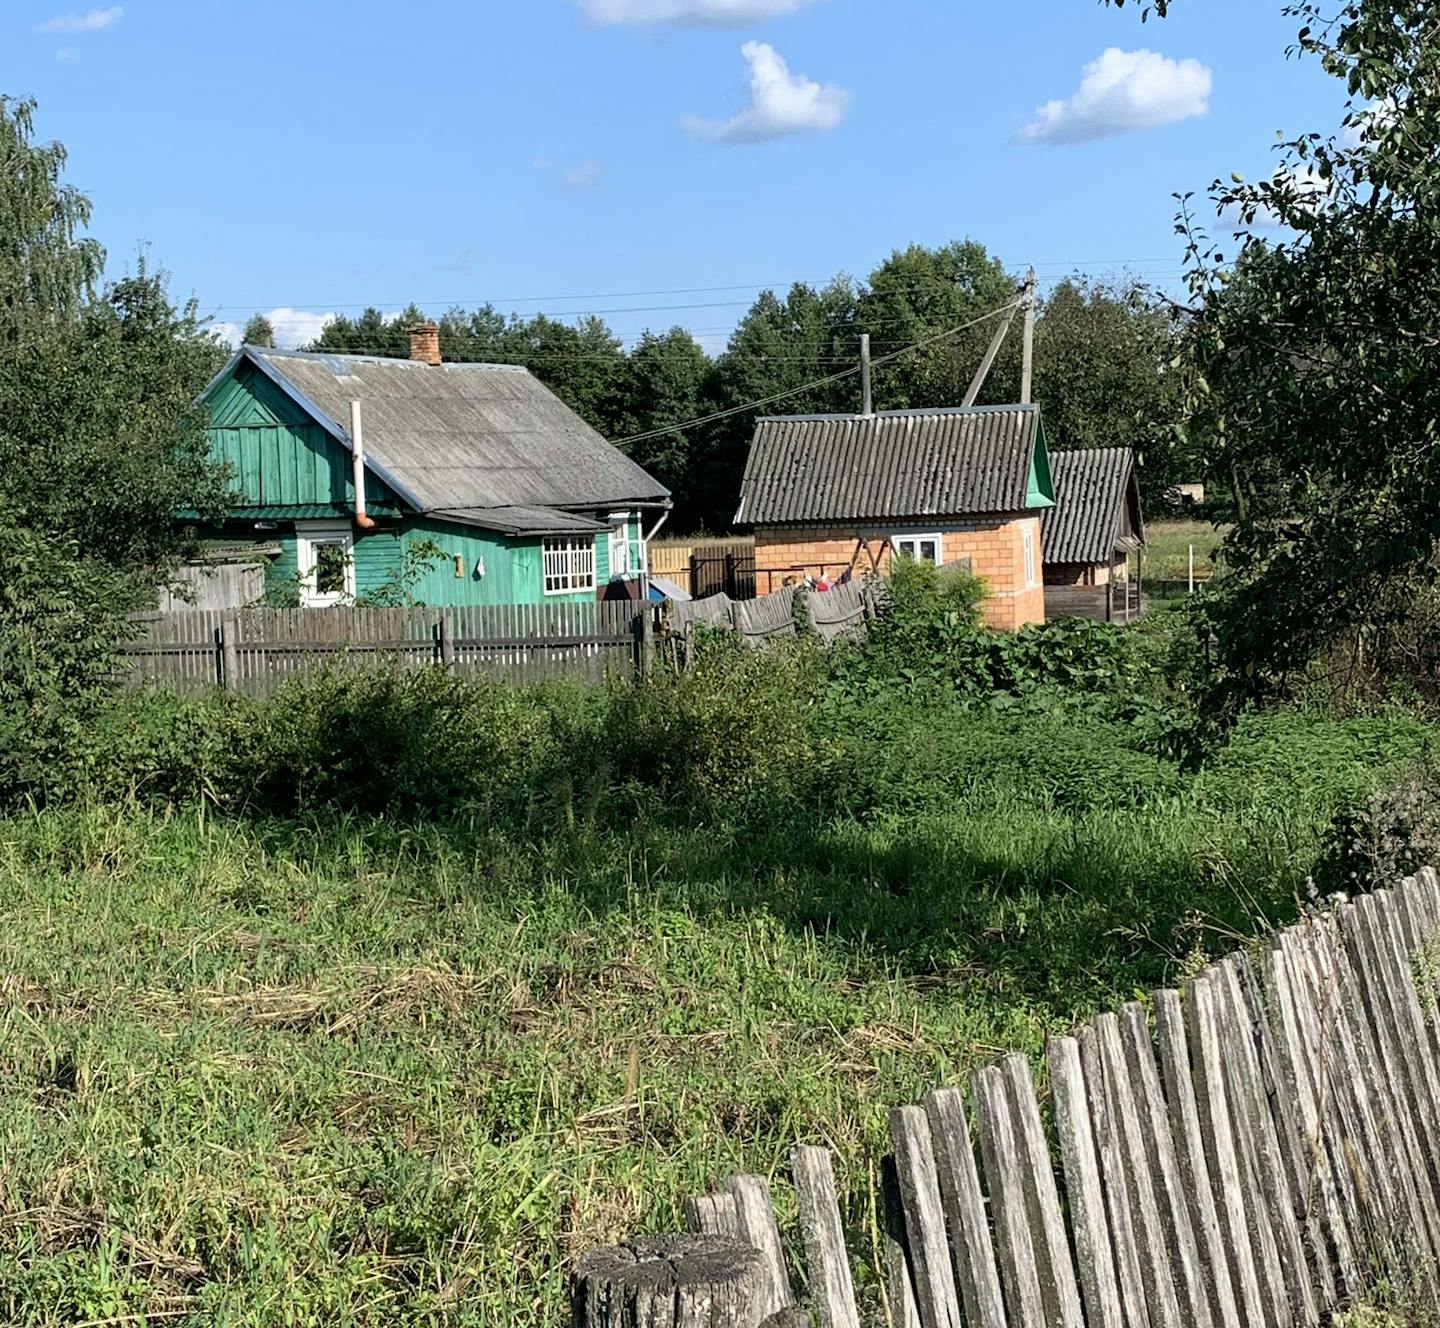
(311, 536)
(620, 539)
(567, 561)
(900, 542)
(1028, 536)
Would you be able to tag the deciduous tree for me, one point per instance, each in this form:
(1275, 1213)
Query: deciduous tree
(1315, 359)
(99, 443)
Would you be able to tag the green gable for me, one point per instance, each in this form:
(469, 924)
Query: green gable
(279, 456)
(1039, 488)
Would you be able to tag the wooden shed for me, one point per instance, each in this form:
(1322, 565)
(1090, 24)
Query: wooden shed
(1096, 523)
(1094, 534)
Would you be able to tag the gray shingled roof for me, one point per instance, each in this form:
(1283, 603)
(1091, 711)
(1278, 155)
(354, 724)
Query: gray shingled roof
(911, 463)
(1091, 490)
(465, 437)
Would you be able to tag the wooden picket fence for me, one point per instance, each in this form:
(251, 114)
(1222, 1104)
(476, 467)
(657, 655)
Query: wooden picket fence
(1261, 1148)
(255, 650)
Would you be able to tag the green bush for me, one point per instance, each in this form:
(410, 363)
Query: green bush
(929, 641)
(62, 619)
(1390, 837)
(734, 731)
(389, 740)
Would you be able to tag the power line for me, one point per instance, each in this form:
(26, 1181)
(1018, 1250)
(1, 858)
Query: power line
(655, 294)
(489, 351)
(809, 387)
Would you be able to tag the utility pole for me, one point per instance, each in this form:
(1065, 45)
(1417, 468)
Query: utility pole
(1028, 356)
(983, 372)
(867, 397)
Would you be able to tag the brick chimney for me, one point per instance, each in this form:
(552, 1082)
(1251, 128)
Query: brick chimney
(425, 343)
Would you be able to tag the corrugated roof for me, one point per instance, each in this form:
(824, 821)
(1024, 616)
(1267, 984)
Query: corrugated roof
(919, 463)
(1091, 490)
(463, 436)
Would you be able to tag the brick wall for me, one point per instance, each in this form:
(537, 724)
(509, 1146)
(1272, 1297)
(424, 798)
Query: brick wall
(995, 547)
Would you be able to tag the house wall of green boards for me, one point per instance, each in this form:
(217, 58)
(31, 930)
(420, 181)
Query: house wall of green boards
(278, 456)
(454, 578)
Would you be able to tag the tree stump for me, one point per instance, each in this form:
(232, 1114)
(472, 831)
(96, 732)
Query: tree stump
(670, 1282)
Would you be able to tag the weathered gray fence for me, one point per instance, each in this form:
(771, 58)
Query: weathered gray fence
(829, 614)
(213, 586)
(1260, 1149)
(255, 650)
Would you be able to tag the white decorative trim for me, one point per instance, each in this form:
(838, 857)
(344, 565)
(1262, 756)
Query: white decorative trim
(567, 564)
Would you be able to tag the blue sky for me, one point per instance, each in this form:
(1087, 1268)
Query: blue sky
(314, 155)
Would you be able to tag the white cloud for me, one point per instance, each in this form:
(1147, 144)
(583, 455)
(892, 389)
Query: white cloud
(226, 333)
(293, 327)
(694, 13)
(586, 173)
(94, 20)
(780, 103)
(579, 176)
(1121, 91)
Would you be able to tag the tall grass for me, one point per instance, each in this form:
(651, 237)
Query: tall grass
(355, 1071)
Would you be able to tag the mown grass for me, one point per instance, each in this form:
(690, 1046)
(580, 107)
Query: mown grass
(350, 1071)
(1168, 545)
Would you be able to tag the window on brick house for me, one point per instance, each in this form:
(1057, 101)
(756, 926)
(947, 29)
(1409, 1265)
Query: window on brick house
(920, 548)
(1029, 558)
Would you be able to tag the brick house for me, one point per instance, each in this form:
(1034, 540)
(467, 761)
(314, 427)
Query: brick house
(831, 494)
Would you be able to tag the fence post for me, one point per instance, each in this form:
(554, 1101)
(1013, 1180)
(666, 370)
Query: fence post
(645, 640)
(230, 654)
(447, 641)
(670, 1282)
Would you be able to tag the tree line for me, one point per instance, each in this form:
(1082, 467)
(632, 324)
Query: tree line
(1103, 350)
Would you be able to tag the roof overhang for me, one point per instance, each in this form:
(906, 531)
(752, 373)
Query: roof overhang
(520, 521)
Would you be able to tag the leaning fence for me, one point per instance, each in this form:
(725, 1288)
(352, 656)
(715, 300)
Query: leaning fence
(1261, 1148)
(842, 611)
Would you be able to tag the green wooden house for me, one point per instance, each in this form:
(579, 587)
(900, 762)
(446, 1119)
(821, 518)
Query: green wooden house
(479, 485)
